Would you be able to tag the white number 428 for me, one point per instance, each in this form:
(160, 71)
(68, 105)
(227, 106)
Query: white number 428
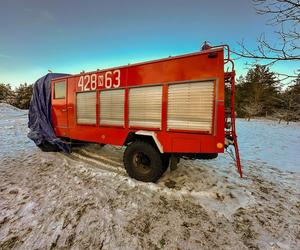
(90, 82)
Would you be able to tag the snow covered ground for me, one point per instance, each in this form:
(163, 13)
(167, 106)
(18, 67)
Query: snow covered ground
(86, 200)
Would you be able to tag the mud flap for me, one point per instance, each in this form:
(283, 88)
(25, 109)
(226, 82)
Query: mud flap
(174, 160)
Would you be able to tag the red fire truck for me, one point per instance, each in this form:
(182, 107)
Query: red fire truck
(160, 110)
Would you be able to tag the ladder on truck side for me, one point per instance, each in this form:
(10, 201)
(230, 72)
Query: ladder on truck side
(230, 128)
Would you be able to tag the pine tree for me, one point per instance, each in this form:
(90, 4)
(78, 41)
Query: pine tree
(23, 96)
(6, 93)
(257, 92)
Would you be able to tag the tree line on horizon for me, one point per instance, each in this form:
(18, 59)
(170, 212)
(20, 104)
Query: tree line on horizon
(261, 94)
(258, 94)
(19, 97)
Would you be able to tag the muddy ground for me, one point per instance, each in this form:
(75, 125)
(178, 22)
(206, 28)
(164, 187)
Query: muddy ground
(87, 201)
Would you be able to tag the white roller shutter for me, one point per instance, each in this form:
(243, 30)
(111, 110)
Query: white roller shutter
(145, 106)
(86, 107)
(190, 106)
(112, 107)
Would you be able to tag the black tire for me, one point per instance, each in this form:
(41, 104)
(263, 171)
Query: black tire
(48, 147)
(143, 162)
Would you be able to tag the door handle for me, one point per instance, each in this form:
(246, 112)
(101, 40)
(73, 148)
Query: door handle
(64, 110)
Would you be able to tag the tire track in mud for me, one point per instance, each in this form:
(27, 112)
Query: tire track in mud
(98, 161)
(90, 154)
(199, 196)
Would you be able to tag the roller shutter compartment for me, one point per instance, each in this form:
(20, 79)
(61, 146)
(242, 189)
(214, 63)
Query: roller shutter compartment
(190, 106)
(112, 107)
(145, 107)
(86, 108)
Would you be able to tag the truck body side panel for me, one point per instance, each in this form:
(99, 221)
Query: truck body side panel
(198, 67)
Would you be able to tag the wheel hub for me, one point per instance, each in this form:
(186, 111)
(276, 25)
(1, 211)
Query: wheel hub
(142, 162)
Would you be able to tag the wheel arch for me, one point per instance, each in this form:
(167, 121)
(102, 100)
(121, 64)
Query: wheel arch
(144, 135)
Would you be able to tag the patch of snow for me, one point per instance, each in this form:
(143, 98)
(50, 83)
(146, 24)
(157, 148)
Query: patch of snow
(86, 200)
(270, 143)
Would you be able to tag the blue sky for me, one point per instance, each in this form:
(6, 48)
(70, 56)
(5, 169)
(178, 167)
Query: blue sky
(71, 36)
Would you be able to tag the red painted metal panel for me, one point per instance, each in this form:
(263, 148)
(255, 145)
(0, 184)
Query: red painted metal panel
(183, 69)
(179, 144)
(60, 113)
(197, 66)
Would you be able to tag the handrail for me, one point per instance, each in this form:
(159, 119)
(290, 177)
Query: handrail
(231, 132)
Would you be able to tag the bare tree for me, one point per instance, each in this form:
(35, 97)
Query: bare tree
(290, 108)
(287, 115)
(285, 16)
(289, 103)
(252, 109)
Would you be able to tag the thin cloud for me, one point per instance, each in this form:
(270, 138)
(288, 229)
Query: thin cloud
(47, 15)
(27, 10)
(5, 56)
(40, 14)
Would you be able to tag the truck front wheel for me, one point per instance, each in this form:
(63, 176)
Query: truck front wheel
(46, 146)
(143, 162)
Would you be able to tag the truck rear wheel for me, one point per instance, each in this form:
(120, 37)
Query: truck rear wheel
(143, 162)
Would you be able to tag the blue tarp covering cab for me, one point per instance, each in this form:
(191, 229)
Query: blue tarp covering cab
(40, 119)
